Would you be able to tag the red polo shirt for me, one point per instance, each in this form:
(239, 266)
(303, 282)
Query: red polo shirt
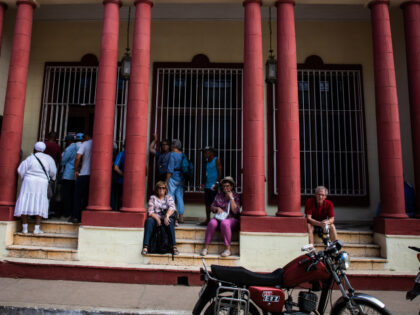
(326, 211)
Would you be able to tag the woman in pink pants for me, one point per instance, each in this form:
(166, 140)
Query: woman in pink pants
(225, 201)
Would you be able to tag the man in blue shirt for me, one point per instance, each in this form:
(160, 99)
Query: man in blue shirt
(213, 176)
(67, 162)
(119, 169)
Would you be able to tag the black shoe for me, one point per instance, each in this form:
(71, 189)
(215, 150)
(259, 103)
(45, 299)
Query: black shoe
(70, 219)
(75, 220)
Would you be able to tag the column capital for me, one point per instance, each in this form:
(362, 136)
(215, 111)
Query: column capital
(245, 2)
(112, 1)
(149, 2)
(30, 2)
(284, 2)
(409, 2)
(376, 2)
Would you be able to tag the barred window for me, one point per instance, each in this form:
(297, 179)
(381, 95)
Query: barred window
(201, 107)
(332, 133)
(68, 101)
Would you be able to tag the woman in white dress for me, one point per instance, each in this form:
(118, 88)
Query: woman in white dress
(33, 196)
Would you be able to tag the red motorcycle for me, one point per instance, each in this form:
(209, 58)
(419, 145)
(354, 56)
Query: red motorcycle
(236, 290)
(412, 294)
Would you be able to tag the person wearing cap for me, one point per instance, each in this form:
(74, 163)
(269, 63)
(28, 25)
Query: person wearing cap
(226, 201)
(175, 179)
(162, 156)
(213, 176)
(35, 171)
(82, 177)
(67, 182)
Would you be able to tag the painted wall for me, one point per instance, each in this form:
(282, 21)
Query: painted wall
(335, 42)
(8, 27)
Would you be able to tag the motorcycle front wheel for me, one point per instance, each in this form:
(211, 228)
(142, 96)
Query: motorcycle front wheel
(209, 310)
(361, 308)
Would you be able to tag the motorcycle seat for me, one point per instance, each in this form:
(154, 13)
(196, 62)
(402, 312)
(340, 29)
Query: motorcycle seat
(244, 277)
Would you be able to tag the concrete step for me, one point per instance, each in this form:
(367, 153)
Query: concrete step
(367, 263)
(196, 232)
(353, 237)
(46, 240)
(357, 250)
(191, 259)
(195, 246)
(42, 252)
(56, 226)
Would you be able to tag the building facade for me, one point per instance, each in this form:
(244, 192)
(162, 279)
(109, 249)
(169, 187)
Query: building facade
(342, 113)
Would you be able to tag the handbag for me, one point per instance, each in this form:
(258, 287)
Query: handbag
(223, 215)
(51, 183)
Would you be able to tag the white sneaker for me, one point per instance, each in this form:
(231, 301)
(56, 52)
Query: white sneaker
(24, 228)
(37, 230)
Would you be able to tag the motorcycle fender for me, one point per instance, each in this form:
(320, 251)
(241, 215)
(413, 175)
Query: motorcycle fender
(208, 293)
(358, 297)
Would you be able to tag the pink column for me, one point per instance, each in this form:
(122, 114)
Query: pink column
(288, 151)
(137, 112)
(3, 7)
(387, 117)
(253, 113)
(412, 44)
(103, 125)
(11, 133)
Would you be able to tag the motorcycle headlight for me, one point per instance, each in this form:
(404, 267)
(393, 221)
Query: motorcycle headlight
(344, 260)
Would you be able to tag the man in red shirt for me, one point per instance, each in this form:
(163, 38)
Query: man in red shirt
(320, 211)
(52, 147)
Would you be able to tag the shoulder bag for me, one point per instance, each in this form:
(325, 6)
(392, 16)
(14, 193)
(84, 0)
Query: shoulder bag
(51, 183)
(223, 215)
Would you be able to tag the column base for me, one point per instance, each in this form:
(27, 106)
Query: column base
(392, 226)
(255, 213)
(99, 208)
(127, 209)
(273, 224)
(6, 212)
(113, 219)
(288, 214)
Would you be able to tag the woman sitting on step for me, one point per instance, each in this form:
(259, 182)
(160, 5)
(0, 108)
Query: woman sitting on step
(226, 206)
(36, 171)
(161, 208)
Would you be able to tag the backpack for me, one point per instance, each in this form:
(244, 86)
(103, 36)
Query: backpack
(187, 168)
(161, 240)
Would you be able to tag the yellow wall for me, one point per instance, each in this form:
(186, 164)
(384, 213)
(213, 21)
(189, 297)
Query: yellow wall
(8, 26)
(222, 41)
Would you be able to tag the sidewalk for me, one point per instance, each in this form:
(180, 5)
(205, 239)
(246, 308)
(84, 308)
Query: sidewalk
(74, 297)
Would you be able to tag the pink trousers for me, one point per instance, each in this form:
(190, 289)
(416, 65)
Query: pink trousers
(226, 228)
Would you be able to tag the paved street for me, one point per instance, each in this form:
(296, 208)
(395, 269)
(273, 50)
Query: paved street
(132, 298)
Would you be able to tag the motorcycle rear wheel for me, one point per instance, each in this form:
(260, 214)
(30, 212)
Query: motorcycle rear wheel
(367, 309)
(209, 310)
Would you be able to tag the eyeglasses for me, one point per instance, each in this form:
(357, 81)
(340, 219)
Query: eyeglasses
(165, 143)
(226, 185)
(161, 187)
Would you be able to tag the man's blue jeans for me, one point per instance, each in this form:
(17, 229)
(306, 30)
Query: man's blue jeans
(176, 190)
(148, 230)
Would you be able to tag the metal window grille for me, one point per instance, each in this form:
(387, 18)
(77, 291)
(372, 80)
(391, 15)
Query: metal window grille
(69, 87)
(201, 107)
(332, 132)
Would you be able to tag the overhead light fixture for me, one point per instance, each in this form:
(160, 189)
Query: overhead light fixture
(125, 68)
(271, 64)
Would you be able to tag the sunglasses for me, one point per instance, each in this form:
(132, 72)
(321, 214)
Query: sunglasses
(161, 187)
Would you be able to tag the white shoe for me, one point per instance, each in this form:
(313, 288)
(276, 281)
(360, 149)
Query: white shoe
(24, 228)
(39, 231)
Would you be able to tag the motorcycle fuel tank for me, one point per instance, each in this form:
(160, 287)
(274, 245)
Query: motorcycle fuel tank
(267, 298)
(295, 272)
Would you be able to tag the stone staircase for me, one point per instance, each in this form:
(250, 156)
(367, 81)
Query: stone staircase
(190, 240)
(58, 242)
(364, 253)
